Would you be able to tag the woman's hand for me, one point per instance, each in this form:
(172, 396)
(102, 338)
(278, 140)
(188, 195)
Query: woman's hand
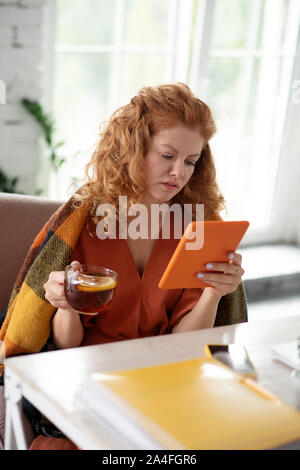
(228, 279)
(67, 328)
(54, 288)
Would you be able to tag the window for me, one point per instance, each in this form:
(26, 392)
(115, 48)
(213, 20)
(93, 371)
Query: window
(104, 52)
(242, 66)
(237, 55)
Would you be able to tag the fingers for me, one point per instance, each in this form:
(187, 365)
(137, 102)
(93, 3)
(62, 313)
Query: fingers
(235, 258)
(221, 283)
(226, 268)
(222, 286)
(219, 278)
(54, 287)
(55, 294)
(54, 290)
(233, 266)
(76, 266)
(56, 276)
(225, 276)
(59, 276)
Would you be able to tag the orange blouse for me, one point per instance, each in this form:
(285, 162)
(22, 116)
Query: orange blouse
(139, 307)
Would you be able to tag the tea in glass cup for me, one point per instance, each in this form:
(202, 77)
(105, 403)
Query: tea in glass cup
(89, 290)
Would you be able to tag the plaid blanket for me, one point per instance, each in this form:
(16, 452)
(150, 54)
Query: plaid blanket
(26, 327)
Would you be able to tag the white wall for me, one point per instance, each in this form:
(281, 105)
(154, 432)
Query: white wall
(22, 57)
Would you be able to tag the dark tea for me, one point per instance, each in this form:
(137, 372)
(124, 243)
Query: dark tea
(89, 292)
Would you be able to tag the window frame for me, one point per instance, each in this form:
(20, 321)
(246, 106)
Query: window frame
(284, 225)
(174, 50)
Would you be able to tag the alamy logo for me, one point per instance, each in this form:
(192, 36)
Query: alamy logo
(2, 92)
(138, 227)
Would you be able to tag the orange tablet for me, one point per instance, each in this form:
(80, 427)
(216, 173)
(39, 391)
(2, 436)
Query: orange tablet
(219, 239)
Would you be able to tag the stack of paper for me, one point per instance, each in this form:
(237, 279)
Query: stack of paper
(289, 353)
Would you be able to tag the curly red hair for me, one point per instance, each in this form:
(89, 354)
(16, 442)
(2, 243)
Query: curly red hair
(117, 165)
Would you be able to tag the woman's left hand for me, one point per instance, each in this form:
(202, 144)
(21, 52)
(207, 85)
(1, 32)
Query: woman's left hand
(228, 279)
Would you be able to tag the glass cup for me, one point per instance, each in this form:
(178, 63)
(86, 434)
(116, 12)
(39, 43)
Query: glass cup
(89, 290)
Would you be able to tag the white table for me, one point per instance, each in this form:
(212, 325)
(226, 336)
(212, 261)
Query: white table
(50, 380)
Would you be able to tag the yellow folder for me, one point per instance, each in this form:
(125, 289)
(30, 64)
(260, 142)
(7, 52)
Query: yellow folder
(196, 404)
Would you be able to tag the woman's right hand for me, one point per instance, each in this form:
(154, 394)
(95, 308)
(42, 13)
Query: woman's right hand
(54, 288)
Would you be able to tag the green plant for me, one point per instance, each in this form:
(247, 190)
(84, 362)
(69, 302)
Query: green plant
(7, 184)
(47, 124)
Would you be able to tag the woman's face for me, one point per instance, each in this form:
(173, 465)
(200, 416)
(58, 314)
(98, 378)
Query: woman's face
(170, 162)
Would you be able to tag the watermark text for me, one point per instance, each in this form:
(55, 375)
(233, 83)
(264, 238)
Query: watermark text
(136, 222)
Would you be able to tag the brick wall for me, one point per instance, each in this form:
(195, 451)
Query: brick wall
(21, 70)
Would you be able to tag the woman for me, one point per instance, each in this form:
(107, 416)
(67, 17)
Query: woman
(154, 150)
